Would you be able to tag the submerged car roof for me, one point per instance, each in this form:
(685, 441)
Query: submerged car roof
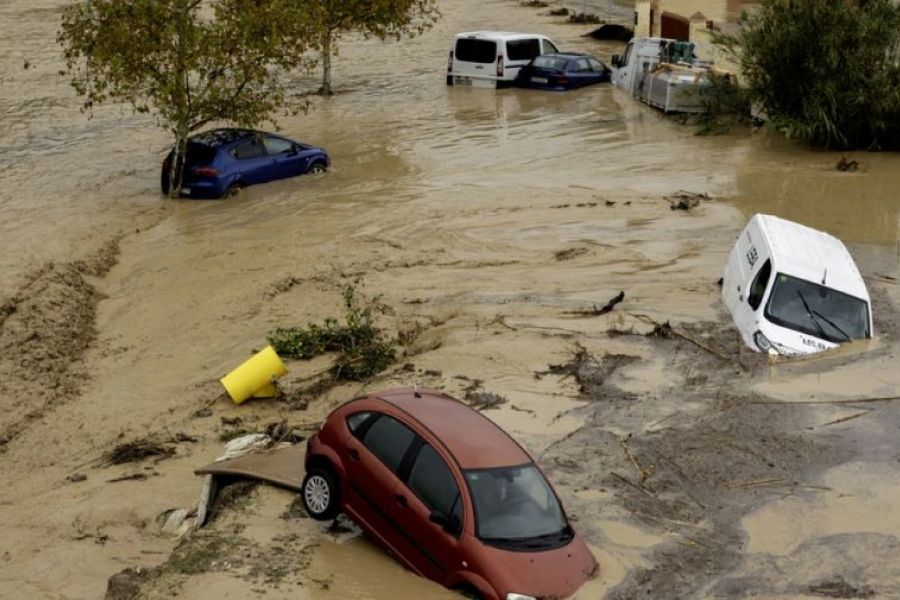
(474, 440)
(812, 255)
(506, 35)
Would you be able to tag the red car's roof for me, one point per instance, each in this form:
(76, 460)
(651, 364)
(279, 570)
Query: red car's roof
(473, 439)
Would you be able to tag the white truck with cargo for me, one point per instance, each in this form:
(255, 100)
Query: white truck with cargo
(493, 58)
(663, 73)
(794, 290)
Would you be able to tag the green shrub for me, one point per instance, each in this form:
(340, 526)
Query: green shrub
(362, 348)
(725, 105)
(824, 71)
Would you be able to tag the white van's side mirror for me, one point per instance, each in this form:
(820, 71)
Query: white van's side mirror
(615, 60)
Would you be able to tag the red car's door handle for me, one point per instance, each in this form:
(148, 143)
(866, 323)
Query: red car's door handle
(401, 499)
(354, 453)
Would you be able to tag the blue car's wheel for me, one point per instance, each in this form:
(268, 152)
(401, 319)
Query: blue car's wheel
(317, 168)
(233, 190)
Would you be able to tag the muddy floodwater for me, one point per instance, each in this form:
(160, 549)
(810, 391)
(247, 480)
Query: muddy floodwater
(487, 220)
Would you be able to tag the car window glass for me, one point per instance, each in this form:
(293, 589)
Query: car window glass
(477, 51)
(758, 287)
(388, 439)
(549, 62)
(514, 502)
(248, 149)
(199, 154)
(596, 65)
(523, 49)
(549, 48)
(356, 420)
(431, 480)
(627, 56)
(276, 145)
(582, 65)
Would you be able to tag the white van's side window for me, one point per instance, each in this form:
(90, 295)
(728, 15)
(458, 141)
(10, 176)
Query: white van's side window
(759, 285)
(549, 48)
(627, 56)
(523, 49)
(476, 51)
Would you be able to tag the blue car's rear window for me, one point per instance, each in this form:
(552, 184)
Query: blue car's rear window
(550, 62)
(199, 154)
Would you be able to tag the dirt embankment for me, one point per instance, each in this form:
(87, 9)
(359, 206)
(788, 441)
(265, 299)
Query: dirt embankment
(45, 329)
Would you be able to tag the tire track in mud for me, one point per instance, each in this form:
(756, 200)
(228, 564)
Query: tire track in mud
(45, 329)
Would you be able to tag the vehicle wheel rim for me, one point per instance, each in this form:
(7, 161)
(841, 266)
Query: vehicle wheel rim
(317, 494)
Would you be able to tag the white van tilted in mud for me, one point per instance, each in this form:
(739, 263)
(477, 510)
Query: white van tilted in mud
(794, 290)
(493, 58)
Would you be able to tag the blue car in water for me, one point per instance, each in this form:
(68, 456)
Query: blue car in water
(220, 162)
(562, 71)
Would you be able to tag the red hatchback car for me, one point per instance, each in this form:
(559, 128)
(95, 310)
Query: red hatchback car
(448, 493)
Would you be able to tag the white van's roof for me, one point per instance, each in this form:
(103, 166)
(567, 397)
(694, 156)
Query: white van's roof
(807, 253)
(495, 35)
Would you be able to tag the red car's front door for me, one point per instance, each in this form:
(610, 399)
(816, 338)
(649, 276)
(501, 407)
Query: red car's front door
(373, 455)
(430, 488)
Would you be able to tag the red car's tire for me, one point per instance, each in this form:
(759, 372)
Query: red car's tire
(320, 494)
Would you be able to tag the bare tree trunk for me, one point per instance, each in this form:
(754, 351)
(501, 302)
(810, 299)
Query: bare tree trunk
(325, 90)
(176, 169)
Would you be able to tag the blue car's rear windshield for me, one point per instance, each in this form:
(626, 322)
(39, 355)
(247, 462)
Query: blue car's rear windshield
(554, 63)
(199, 154)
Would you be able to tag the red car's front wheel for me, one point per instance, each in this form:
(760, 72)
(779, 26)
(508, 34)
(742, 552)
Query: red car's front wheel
(320, 495)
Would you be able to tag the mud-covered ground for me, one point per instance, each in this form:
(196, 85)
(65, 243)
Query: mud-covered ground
(489, 222)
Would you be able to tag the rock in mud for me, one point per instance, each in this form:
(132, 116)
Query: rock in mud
(126, 584)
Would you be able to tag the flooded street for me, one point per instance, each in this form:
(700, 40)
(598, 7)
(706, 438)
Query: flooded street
(483, 218)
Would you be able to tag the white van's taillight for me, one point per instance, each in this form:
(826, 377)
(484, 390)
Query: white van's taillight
(499, 65)
(450, 63)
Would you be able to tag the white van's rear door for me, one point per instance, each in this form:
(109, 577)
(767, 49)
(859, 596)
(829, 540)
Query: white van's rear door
(474, 58)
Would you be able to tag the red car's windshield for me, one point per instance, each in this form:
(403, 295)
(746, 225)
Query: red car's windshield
(515, 506)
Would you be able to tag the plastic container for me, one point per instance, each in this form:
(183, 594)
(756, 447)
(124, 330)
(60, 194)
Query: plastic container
(253, 378)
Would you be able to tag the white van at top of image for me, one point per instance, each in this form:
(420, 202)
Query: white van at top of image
(493, 58)
(794, 290)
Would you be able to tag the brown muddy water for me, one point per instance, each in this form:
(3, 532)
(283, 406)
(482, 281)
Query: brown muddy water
(483, 217)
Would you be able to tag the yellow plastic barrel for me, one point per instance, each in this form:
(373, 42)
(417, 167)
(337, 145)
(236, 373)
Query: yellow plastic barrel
(254, 376)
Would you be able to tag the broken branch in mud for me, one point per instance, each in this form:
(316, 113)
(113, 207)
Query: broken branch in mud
(755, 483)
(627, 481)
(130, 477)
(666, 330)
(847, 418)
(839, 588)
(137, 450)
(682, 200)
(596, 311)
(643, 474)
(812, 402)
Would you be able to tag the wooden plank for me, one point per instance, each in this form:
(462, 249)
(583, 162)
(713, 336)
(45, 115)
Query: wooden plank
(282, 467)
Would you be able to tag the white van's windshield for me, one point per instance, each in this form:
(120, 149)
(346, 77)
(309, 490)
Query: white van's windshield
(817, 310)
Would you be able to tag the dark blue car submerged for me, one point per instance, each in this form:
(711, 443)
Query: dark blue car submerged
(221, 161)
(562, 71)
